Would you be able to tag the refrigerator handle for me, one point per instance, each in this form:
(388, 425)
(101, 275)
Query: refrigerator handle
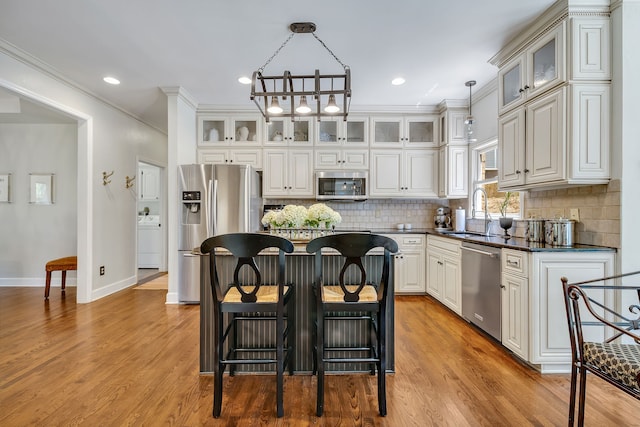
(214, 209)
(208, 211)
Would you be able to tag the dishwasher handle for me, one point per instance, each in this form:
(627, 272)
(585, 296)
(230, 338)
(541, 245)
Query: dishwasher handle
(489, 254)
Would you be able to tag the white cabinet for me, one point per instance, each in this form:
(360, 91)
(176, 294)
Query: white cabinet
(241, 156)
(534, 318)
(341, 159)
(453, 156)
(515, 302)
(444, 280)
(149, 182)
(337, 132)
(549, 334)
(404, 174)
(287, 173)
(453, 169)
(552, 143)
(404, 131)
(149, 244)
(536, 69)
(219, 130)
(554, 105)
(452, 126)
(283, 132)
(409, 273)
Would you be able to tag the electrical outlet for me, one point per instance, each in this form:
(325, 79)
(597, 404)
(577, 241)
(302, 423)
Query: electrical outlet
(574, 214)
(377, 213)
(102, 270)
(533, 213)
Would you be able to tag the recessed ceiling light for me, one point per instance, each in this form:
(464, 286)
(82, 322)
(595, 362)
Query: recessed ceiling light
(245, 80)
(397, 81)
(111, 80)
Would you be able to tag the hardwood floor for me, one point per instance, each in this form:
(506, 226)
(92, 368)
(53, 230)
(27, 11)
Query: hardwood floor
(130, 359)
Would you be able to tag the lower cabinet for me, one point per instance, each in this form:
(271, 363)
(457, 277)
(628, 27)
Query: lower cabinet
(149, 244)
(409, 274)
(443, 271)
(534, 319)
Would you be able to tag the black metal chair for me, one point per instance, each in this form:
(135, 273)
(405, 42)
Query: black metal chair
(247, 299)
(351, 298)
(603, 341)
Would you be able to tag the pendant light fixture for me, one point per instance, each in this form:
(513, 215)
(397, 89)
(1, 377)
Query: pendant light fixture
(469, 121)
(303, 107)
(291, 86)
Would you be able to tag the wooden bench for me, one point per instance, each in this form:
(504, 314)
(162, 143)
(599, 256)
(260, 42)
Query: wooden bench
(60, 264)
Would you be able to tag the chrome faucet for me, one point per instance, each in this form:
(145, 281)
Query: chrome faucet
(487, 219)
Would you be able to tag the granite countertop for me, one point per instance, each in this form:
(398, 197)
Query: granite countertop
(518, 243)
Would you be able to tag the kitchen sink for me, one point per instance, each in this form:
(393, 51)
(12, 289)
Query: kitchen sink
(464, 234)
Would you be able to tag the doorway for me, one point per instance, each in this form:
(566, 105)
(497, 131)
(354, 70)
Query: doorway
(150, 212)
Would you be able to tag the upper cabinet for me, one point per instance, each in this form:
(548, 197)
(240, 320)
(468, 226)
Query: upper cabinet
(217, 130)
(337, 132)
(283, 131)
(149, 179)
(404, 174)
(539, 67)
(404, 131)
(576, 49)
(554, 103)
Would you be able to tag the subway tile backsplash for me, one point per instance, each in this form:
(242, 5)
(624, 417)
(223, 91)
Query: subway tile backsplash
(376, 214)
(599, 209)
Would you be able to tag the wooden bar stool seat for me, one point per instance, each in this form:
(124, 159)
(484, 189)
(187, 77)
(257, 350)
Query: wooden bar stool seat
(60, 264)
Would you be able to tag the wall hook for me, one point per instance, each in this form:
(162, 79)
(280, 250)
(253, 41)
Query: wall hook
(105, 176)
(129, 181)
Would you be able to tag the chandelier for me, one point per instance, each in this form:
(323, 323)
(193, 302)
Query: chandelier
(469, 121)
(309, 95)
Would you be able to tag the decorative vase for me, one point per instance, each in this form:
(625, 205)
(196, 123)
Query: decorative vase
(506, 224)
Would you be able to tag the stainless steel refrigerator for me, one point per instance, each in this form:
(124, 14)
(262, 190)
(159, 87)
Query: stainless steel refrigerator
(214, 199)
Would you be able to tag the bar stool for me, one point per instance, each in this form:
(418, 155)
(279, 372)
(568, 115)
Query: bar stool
(354, 300)
(60, 264)
(248, 300)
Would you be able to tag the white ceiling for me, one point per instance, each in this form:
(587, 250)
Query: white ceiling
(205, 45)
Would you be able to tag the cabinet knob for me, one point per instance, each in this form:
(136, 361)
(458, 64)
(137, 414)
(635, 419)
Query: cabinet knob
(503, 286)
(440, 263)
(526, 171)
(520, 90)
(526, 87)
(518, 172)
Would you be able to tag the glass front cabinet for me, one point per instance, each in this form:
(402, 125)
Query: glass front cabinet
(333, 132)
(283, 131)
(217, 130)
(405, 131)
(538, 68)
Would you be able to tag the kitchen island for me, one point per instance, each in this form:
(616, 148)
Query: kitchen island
(300, 273)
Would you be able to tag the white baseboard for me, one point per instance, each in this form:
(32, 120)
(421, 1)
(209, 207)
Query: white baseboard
(35, 282)
(112, 288)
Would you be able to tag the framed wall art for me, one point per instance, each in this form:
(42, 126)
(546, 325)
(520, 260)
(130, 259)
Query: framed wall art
(41, 188)
(5, 188)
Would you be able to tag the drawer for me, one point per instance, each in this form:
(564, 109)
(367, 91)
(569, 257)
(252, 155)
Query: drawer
(413, 241)
(452, 246)
(515, 262)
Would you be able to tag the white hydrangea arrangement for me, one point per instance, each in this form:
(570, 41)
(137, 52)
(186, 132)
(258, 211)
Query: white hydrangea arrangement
(293, 216)
(319, 215)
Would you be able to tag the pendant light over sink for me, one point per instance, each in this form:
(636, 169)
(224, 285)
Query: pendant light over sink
(469, 121)
(331, 90)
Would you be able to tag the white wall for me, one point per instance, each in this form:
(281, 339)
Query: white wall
(626, 127)
(34, 234)
(108, 140)
(485, 111)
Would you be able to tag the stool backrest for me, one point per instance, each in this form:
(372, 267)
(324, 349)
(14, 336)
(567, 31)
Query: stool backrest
(245, 247)
(353, 247)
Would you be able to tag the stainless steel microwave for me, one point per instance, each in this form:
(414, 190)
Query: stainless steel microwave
(342, 185)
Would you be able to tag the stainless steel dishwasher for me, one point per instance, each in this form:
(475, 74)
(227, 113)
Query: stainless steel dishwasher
(481, 290)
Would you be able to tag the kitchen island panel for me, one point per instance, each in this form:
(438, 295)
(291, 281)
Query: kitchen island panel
(299, 272)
